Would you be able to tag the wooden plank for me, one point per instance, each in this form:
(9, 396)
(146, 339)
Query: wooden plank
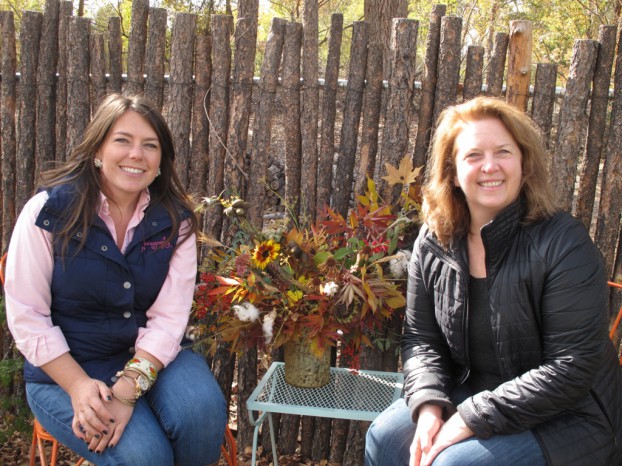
(519, 63)
(46, 87)
(136, 47)
(290, 91)
(573, 121)
(599, 103)
(399, 97)
(155, 56)
(30, 34)
(8, 96)
(496, 65)
(115, 55)
(329, 112)
(342, 188)
(543, 102)
(473, 75)
(425, 122)
(180, 91)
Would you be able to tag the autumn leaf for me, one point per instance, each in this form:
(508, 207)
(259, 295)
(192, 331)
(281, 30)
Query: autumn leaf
(404, 174)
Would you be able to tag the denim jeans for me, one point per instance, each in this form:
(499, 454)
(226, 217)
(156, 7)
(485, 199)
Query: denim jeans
(181, 420)
(390, 436)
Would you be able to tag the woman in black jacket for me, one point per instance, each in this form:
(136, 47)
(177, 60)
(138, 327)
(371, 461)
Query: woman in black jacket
(505, 350)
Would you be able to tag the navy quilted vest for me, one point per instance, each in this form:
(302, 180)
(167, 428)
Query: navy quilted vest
(99, 295)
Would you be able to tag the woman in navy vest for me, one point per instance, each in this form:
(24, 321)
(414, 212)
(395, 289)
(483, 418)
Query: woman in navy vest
(99, 283)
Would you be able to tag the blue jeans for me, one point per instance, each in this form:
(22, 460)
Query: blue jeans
(181, 420)
(390, 436)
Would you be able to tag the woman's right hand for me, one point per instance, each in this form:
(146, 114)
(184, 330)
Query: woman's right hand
(429, 423)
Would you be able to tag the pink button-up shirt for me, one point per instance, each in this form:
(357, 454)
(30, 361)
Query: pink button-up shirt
(29, 268)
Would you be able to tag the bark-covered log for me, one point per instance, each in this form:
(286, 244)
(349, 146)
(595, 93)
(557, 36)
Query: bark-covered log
(399, 98)
(262, 129)
(496, 66)
(241, 96)
(519, 64)
(66, 8)
(98, 70)
(290, 90)
(8, 90)
(543, 102)
(155, 56)
(608, 223)
(448, 64)
(473, 75)
(136, 47)
(351, 116)
(310, 102)
(46, 87)
(371, 118)
(78, 101)
(428, 87)
(329, 111)
(260, 150)
(30, 35)
(180, 91)
(573, 121)
(115, 55)
(597, 124)
(199, 159)
(218, 117)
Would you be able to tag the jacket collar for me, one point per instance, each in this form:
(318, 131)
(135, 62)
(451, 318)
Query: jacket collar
(498, 234)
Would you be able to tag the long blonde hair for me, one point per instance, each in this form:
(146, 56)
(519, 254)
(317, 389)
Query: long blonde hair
(80, 172)
(444, 206)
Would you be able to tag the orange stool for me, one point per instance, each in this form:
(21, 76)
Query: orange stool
(39, 435)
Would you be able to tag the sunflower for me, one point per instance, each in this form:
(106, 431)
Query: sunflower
(265, 252)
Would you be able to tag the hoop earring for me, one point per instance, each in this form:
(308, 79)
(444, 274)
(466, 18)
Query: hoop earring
(98, 163)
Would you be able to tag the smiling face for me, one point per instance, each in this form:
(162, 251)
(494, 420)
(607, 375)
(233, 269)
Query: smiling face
(130, 156)
(488, 168)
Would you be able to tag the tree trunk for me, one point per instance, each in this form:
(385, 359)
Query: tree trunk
(379, 15)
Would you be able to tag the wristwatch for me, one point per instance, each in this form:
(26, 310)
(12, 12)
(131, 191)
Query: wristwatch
(141, 383)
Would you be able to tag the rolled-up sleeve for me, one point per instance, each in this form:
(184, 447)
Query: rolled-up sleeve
(168, 317)
(29, 269)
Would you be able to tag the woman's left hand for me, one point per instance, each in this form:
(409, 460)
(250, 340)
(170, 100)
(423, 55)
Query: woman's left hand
(453, 431)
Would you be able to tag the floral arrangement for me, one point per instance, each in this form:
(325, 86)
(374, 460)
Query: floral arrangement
(336, 281)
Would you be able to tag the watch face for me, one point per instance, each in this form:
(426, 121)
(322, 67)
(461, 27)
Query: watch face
(142, 382)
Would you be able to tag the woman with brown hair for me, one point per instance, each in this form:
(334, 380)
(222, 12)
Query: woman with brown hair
(505, 348)
(100, 276)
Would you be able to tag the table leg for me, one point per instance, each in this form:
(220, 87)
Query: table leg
(275, 453)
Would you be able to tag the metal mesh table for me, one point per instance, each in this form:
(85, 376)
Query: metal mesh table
(350, 394)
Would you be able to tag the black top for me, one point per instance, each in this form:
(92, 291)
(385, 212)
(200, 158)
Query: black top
(485, 373)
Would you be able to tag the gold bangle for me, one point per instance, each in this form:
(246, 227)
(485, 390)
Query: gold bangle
(125, 401)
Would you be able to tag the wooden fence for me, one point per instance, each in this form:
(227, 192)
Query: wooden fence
(227, 126)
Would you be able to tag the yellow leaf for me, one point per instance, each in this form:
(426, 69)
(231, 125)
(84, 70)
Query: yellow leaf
(404, 174)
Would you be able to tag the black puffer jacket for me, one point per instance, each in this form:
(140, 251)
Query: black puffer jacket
(548, 299)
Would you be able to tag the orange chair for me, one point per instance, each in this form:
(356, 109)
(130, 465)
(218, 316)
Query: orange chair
(616, 322)
(228, 449)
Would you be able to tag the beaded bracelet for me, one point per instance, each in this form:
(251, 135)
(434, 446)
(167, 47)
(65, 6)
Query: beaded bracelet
(143, 366)
(125, 401)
